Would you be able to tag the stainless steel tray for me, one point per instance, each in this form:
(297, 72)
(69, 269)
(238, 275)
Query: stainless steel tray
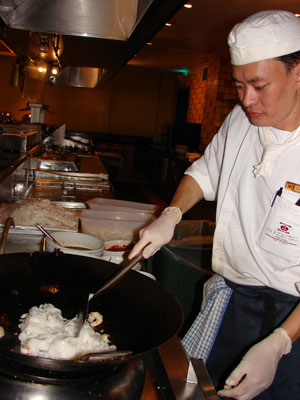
(32, 230)
(75, 205)
(23, 243)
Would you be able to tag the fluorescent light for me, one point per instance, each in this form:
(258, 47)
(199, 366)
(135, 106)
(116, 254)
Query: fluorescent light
(168, 24)
(188, 5)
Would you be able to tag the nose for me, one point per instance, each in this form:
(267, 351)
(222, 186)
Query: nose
(248, 97)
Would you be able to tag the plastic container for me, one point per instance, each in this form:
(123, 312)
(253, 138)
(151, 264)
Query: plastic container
(117, 215)
(120, 205)
(106, 229)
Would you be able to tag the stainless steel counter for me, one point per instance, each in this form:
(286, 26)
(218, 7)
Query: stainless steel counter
(57, 176)
(23, 243)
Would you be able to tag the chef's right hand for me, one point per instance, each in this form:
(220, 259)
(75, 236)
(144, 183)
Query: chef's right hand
(158, 233)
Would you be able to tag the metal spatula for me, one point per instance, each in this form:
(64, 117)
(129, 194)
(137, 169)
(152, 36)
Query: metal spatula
(119, 274)
(116, 277)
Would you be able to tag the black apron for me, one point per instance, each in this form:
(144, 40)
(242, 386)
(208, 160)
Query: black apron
(251, 315)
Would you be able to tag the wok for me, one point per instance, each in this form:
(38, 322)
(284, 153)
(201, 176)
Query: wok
(139, 314)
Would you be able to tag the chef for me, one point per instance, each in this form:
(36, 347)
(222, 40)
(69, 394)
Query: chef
(248, 328)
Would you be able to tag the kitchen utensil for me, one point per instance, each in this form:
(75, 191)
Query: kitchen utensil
(115, 278)
(105, 354)
(82, 314)
(48, 235)
(119, 274)
(8, 223)
(134, 311)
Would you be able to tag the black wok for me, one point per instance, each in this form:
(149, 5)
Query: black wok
(139, 314)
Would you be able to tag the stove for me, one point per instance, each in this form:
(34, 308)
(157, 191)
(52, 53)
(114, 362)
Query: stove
(122, 382)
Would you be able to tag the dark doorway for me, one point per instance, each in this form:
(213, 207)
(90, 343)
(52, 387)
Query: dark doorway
(182, 104)
(184, 132)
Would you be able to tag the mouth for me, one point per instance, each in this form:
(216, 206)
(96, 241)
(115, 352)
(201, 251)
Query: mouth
(254, 114)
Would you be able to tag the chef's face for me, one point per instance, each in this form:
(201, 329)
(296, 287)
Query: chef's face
(269, 93)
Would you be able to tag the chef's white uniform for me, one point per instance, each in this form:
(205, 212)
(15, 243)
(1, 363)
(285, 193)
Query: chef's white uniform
(254, 243)
(256, 249)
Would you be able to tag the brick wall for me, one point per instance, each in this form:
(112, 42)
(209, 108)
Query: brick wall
(211, 100)
(197, 95)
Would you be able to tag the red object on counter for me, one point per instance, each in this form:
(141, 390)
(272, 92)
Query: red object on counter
(117, 247)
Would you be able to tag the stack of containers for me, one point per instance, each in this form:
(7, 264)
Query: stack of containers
(112, 219)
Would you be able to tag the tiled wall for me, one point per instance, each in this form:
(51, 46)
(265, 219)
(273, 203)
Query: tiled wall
(197, 95)
(211, 100)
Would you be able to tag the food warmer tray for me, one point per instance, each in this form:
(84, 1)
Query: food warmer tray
(32, 230)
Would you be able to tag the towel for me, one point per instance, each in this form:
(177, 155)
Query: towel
(200, 338)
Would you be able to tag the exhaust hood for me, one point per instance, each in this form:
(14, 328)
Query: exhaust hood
(110, 19)
(99, 35)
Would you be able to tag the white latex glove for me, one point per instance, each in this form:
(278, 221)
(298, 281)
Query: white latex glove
(158, 233)
(256, 371)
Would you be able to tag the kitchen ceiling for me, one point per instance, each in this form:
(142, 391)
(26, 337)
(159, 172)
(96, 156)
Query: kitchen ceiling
(195, 33)
(103, 34)
(200, 31)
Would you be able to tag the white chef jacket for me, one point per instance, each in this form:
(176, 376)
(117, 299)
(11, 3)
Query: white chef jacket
(255, 242)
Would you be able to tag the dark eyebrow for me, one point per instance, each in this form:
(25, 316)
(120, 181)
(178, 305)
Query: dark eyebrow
(253, 80)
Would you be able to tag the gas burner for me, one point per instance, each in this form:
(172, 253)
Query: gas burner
(26, 373)
(124, 382)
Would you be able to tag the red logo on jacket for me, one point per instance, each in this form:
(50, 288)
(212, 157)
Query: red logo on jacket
(284, 228)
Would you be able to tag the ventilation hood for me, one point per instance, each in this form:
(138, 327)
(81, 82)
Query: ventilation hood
(110, 19)
(95, 34)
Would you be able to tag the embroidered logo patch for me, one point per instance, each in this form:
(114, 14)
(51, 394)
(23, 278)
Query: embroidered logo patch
(284, 228)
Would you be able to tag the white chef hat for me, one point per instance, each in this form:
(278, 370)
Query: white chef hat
(264, 35)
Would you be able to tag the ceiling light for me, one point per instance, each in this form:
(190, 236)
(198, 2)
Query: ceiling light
(54, 71)
(297, 15)
(188, 5)
(149, 43)
(168, 24)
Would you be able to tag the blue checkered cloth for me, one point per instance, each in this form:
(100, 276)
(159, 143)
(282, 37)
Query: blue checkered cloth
(199, 339)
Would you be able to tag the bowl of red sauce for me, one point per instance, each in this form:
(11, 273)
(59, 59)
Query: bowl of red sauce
(117, 248)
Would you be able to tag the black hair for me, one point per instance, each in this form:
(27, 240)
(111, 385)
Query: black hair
(290, 60)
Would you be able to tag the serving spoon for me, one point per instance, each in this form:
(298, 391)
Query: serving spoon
(48, 235)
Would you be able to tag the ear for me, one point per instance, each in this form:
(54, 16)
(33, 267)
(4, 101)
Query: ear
(297, 74)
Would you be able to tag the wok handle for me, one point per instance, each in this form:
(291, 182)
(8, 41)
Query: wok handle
(8, 223)
(119, 274)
